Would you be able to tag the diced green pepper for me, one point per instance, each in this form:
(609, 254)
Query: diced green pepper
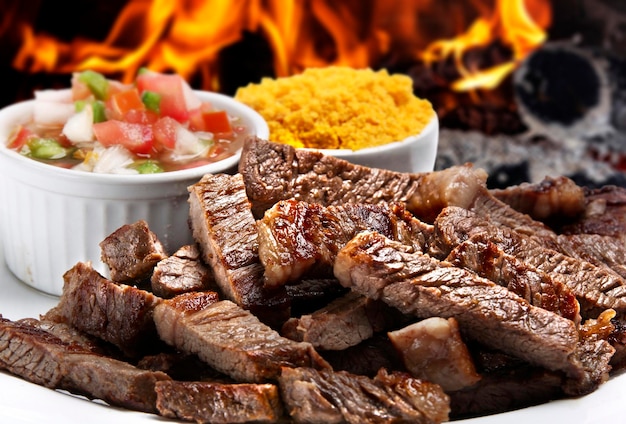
(96, 82)
(46, 148)
(79, 105)
(147, 167)
(152, 100)
(99, 111)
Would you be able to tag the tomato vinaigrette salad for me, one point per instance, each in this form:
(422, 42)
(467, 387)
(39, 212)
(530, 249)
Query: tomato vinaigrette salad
(155, 124)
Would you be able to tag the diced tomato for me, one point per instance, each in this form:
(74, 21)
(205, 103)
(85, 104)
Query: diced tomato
(19, 138)
(137, 138)
(125, 101)
(135, 116)
(165, 130)
(170, 87)
(217, 122)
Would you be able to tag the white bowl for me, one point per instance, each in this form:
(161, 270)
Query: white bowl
(416, 153)
(51, 218)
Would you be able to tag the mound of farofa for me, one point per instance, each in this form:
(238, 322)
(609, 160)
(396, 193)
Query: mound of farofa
(338, 107)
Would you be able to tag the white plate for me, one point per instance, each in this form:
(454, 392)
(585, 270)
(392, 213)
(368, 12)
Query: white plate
(26, 403)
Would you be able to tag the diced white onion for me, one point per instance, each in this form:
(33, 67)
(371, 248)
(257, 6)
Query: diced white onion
(192, 101)
(188, 144)
(57, 96)
(47, 113)
(111, 160)
(79, 127)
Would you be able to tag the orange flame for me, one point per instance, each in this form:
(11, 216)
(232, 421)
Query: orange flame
(186, 37)
(512, 23)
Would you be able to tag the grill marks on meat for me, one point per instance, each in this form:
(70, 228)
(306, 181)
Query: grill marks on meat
(180, 273)
(596, 288)
(418, 284)
(232, 340)
(323, 396)
(273, 172)
(299, 238)
(225, 230)
(220, 403)
(118, 314)
(480, 255)
(42, 358)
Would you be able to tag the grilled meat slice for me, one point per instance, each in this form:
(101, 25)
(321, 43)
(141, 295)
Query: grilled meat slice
(596, 288)
(344, 322)
(597, 249)
(605, 213)
(297, 238)
(418, 284)
(484, 257)
(182, 272)
(325, 396)
(550, 200)
(274, 172)
(231, 340)
(432, 349)
(42, 358)
(209, 402)
(116, 313)
(131, 252)
(226, 233)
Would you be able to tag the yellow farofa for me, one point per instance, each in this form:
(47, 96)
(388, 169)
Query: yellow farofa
(338, 108)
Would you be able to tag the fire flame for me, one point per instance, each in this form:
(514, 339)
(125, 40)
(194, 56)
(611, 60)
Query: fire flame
(186, 37)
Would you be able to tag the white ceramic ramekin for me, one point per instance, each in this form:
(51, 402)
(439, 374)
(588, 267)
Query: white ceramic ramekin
(51, 218)
(416, 153)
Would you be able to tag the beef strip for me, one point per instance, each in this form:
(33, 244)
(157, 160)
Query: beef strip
(182, 272)
(481, 255)
(298, 238)
(344, 322)
(116, 313)
(274, 172)
(209, 402)
(599, 250)
(42, 358)
(605, 213)
(325, 396)
(433, 349)
(231, 340)
(488, 207)
(418, 284)
(551, 200)
(226, 233)
(131, 252)
(596, 288)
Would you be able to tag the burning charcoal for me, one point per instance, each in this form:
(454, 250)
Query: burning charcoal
(182, 272)
(116, 313)
(337, 396)
(131, 252)
(209, 402)
(42, 358)
(433, 350)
